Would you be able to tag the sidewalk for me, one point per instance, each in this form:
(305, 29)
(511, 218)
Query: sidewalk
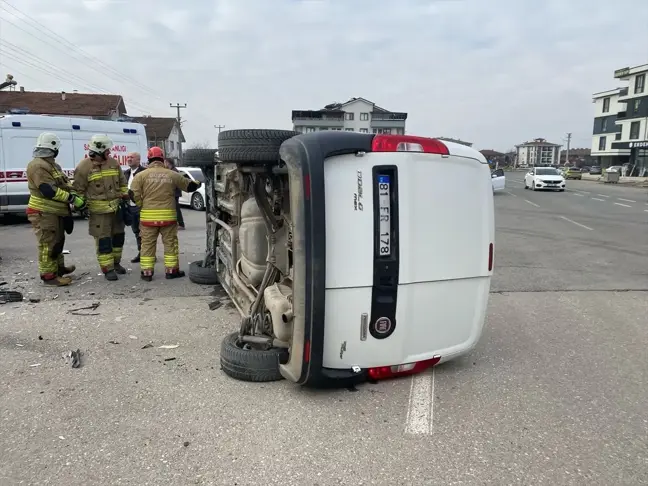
(636, 181)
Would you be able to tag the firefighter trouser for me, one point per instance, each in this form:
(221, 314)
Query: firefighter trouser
(149, 236)
(108, 232)
(50, 235)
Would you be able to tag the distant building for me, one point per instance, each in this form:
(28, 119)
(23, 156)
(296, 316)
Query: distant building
(577, 157)
(165, 133)
(80, 105)
(355, 115)
(497, 158)
(455, 140)
(623, 112)
(537, 152)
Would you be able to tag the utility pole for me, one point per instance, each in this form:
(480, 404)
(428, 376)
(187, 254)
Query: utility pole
(178, 107)
(569, 135)
(220, 127)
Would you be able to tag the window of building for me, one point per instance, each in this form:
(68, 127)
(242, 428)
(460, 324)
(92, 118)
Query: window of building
(602, 143)
(348, 129)
(637, 105)
(634, 130)
(172, 145)
(348, 116)
(606, 105)
(337, 129)
(309, 129)
(604, 124)
(364, 130)
(640, 83)
(617, 136)
(364, 116)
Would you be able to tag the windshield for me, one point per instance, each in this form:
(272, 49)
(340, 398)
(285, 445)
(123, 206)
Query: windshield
(547, 171)
(196, 174)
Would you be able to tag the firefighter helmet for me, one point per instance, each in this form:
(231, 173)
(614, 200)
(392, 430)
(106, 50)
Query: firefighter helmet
(100, 143)
(155, 153)
(48, 140)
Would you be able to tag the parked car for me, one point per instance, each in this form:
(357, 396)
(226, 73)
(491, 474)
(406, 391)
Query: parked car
(196, 199)
(595, 170)
(614, 168)
(572, 173)
(499, 180)
(544, 178)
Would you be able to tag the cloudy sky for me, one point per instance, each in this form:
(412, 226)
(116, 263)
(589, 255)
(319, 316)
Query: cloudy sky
(492, 72)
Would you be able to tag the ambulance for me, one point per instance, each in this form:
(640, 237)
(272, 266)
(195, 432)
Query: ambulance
(18, 135)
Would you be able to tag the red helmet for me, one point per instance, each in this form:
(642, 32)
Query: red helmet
(155, 153)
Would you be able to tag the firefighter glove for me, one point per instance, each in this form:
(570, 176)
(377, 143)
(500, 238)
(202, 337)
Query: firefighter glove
(78, 203)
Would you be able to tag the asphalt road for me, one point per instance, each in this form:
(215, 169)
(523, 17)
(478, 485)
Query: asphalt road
(555, 393)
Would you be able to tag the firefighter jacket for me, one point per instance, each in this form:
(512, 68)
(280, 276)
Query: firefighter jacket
(49, 188)
(153, 190)
(101, 183)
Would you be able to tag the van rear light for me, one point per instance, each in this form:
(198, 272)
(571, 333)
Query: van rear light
(407, 143)
(490, 257)
(385, 372)
(307, 352)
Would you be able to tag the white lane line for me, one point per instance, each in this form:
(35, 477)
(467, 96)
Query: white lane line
(577, 224)
(626, 200)
(420, 412)
(584, 192)
(517, 182)
(510, 194)
(624, 205)
(602, 195)
(576, 194)
(531, 203)
(598, 199)
(645, 210)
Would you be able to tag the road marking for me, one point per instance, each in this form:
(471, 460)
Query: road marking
(624, 205)
(602, 195)
(584, 192)
(517, 182)
(420, 412)
(531, 203)
(577, 224)
(597, 199)
(576, 194)
(626, 200)
(510, 194)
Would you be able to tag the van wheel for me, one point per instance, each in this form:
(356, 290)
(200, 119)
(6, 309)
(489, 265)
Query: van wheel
(256, 365)
(202, 275)
(197, 202)
(199, 157)
(261, 146)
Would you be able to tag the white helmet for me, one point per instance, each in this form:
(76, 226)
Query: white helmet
(48, 140)
(100, 143)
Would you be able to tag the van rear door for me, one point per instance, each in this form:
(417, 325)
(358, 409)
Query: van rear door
(443, 211)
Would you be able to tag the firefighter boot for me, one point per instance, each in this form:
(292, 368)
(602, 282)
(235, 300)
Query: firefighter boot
(111, 275)
(174, 274)
(57, 281)
(146, 275)
(119, 269)
(65, 270)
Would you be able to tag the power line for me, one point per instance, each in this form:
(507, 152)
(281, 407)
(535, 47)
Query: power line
(121, 77)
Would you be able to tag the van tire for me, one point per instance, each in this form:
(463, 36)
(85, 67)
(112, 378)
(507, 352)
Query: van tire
(202, 275)
(199, 157)
(250, 365)
(254, 145)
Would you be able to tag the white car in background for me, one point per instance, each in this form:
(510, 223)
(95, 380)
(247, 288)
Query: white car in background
(498, 179)
(539, 178)
(194, 199)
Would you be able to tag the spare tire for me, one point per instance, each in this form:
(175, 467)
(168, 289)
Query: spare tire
(202, 275)
(254, 145)
(250, 364)
(199, 157)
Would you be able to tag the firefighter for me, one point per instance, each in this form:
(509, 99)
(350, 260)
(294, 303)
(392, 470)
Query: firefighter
(99, 179)
(153, 190)
(48, 210)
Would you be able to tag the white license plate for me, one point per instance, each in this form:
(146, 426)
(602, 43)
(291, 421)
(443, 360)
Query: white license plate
(384, 210)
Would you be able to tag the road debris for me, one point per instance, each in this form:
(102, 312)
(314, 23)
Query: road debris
(148, 345)
(113, 342)
(7, 296)
(92, 307)
(169, 346)
(75, 356)
(169, 359)
(215, 305)
(132, 337)
(34, 365)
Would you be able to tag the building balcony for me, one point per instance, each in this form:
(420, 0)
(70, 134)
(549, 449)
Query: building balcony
(621, 115)
(318, 122)
(387, 123)
(381, 116)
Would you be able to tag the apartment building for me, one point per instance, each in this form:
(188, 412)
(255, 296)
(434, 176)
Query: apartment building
(606, 131)
(537, 152)
(633, 119)
(355, 115)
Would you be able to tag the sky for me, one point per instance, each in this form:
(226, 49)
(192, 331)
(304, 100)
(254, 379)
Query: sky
(495, 73)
